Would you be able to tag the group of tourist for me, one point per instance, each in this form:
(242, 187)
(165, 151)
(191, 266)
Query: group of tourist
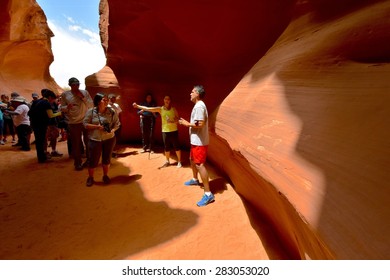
(91, 127)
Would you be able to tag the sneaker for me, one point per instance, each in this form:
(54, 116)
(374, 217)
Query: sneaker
(106, 179)
(206, 199)
(179, 165)
(56, 154)
(13, 141)
(90, 181)
(192, 182)
(2, 142)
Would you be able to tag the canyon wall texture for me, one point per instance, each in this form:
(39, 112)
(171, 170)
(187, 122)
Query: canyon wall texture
(165, 48)
(297, 91)
(311, 147)
(25, 48)
(302, 134)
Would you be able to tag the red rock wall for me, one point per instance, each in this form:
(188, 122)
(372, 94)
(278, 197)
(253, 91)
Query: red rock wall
(166, 47)
(304, 135)
(298, 92)
(25, 48)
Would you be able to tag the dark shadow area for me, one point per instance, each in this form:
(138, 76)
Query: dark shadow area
(326, 10)
(275, 249)
(218, 185)
(120, 180)
(126, 154)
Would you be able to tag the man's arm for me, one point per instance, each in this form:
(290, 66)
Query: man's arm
(196, 124)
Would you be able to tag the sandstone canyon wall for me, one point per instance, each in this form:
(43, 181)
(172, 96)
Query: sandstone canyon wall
(302, 134)
(166, 47)
(311, 147)
(298, 93)
(25, 48)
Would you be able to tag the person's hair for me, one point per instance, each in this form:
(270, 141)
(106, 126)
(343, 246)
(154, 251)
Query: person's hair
(46, 93)
(73, 80)
(51, 94)
(200, 90)
(98, 97)
(14, 95)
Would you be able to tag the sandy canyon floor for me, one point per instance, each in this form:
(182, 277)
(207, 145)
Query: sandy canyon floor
(146, 213)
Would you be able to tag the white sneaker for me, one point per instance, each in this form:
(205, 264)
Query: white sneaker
(2, 142)
(179, 165)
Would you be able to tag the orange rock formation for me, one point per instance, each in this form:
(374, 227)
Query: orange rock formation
(25, 48)
(298, 92)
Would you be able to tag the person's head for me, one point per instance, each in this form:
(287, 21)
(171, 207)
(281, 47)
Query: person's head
(112, 97)
(34, 96)
(14, 95)
(44, 92)
(149, 97)
(197, 93)
(4, 98)
(18, 100)
(100, 98)
(51, 96)
(167, 100)
(73, 82)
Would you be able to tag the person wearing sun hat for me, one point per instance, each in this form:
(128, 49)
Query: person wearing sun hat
(75, 104)
(21, 120)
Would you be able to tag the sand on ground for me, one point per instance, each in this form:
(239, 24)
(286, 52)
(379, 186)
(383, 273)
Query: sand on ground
(146, 213)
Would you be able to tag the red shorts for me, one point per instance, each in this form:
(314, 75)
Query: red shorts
(198, 154)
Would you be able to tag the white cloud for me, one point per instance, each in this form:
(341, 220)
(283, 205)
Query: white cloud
(76, 54)
(70, 19)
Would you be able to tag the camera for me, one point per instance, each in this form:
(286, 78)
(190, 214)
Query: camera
(107, 127)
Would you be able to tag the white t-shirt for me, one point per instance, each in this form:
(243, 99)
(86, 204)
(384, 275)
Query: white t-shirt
(23, 117)
(116, 107)
(199, 136)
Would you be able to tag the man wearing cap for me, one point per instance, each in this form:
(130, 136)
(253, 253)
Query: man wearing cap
(75, 103)
(21, 121)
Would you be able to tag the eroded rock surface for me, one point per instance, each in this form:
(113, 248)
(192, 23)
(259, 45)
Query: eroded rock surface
(298, 94)
(25, 49)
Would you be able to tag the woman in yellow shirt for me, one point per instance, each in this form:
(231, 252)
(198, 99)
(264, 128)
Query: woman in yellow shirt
(170, 133)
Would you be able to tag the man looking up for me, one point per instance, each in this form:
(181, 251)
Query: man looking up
(199, 138)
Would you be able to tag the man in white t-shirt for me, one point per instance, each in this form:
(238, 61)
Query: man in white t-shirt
(199, 138)
(21, 121)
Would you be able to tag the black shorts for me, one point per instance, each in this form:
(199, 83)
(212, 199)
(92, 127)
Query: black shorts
(171, 139)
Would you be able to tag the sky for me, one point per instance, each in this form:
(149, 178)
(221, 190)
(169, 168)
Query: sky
(76, 43)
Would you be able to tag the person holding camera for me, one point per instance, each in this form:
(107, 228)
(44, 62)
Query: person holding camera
(101, 123)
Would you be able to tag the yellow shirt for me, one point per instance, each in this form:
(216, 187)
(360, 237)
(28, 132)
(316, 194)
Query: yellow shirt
(169, 119)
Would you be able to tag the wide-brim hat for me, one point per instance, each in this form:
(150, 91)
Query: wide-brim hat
(18, 99)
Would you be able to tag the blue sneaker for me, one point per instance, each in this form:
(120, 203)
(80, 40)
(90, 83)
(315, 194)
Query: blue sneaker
(206, 199)
(192, 182)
